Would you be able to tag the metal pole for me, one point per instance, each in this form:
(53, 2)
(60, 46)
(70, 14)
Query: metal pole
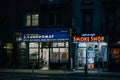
(33, 71)
(99, 72)
(71, 61)
(86, 67)
(13, 70)
(65, 70)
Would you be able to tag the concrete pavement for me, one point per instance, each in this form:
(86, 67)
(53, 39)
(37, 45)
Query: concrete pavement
(95, 72)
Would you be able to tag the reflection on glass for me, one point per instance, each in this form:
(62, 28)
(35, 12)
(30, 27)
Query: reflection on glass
(35, 22)
(22, 45)
(54, 44)
(60, 44)
(63, 54)
(54, 55)
(67, 44)
(33, 44)
(33, 55)
(9, 46)
(115, 55)
(40, 44)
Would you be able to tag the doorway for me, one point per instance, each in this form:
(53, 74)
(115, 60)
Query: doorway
(81, 58)
(38, 55)
(44, 59)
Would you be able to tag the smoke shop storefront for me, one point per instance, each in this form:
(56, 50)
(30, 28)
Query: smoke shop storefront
(90, 50)
(42, 48)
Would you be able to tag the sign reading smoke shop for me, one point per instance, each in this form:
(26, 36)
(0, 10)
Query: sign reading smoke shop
(51, 34)
(88, 38)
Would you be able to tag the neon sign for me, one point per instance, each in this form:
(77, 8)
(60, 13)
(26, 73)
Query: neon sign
(89, 39)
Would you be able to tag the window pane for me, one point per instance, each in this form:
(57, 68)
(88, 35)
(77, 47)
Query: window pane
(34, 22)
(51, 19)
(28, 17)
(88, 18)
(33, 44)
(67, 44)
(31, 20)
(55, 49)
(33, 55)
(59, 18)
(35, 16)
(54, 44)
(61, 44)
(87, 21)
(28, 22)
(64, 54)
(54, 55)
(22, 45)
(9, 46)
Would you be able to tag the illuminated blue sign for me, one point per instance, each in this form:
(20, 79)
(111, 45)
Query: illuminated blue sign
(44, 34)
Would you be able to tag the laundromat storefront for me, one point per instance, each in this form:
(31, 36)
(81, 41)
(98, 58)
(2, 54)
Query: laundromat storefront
(42, 48)
(90, 49)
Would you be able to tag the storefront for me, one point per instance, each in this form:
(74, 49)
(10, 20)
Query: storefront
(114, 57)
(45, 48)
(90, 49)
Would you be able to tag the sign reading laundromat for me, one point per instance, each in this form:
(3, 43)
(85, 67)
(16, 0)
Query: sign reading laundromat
(51, 34)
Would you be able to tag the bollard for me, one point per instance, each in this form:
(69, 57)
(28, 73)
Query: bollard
(65, 71)
(99, 71)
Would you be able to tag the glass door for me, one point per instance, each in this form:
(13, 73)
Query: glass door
(81, 58)
(45, 58)
(44, 55)
(33, 54)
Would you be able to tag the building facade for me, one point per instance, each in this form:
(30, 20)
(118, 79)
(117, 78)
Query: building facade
(51, 34)
(40, 34)
(95, 18)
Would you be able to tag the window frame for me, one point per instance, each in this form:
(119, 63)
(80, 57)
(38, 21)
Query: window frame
(31, 20)
(86, 23)
(56, 21)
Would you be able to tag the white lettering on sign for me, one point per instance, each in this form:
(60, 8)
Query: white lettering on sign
(36, 36)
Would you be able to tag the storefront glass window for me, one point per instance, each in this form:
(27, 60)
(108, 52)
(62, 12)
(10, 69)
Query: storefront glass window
(59, 52)
(33, 55)
(33, 44)
(54, 56)
(22, 45)
(60, 44)
(67, 44)
(63, 54)
(54, 44)
(9, 46)
(115, 55)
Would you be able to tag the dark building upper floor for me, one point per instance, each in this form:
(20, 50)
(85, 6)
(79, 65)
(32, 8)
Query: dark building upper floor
(86, 16)
(96, 16)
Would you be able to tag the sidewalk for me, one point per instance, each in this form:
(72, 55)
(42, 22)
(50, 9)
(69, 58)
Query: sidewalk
(60, 72)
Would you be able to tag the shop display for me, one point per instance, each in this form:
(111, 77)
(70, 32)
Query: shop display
(64, 55)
